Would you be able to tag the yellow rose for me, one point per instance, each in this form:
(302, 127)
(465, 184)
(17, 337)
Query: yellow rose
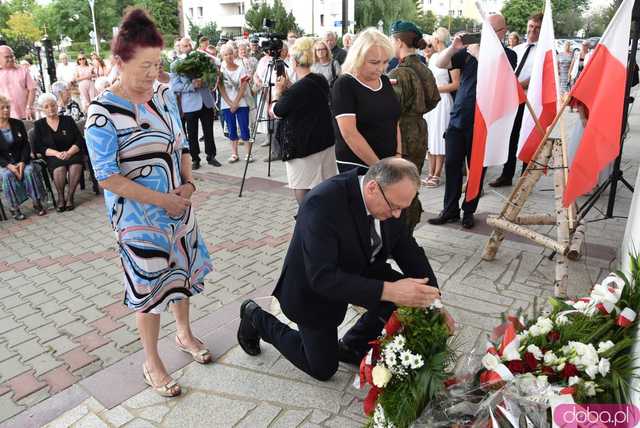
(381, 376)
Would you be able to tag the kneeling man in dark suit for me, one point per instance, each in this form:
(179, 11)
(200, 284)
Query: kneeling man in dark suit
(346, 230)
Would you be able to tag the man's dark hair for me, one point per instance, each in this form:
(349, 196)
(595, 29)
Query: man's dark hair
(536, 17)
(389, 171)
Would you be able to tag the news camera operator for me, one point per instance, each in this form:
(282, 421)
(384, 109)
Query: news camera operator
(305, 131)
(272, 48)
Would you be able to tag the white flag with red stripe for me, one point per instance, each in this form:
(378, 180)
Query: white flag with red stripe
(498, 95)
(601, 88)
(542, 92)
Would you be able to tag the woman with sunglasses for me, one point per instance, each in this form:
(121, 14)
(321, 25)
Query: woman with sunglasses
(85, 75)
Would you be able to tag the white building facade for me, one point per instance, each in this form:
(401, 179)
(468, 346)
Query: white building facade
(313, 16)
(461, 8)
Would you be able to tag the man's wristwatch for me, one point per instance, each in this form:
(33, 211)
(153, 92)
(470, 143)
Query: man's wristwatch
(192, 185)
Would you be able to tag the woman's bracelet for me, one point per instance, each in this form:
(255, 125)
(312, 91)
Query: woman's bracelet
(192, 185)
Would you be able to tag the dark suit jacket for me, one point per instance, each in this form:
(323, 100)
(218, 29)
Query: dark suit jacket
(327, 264)
(19, 151)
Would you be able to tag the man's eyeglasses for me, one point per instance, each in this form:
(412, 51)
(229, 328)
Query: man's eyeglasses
(321, 50)
(391, 207)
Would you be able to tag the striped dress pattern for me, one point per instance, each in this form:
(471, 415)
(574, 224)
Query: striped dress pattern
(164, 258)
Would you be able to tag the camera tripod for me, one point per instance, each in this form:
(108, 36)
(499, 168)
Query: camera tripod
(265, 99)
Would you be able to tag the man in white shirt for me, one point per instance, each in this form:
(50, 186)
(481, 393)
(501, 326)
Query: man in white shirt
(65, 70)
(525, 52)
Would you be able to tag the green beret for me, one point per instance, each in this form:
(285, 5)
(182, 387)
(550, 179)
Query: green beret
(405, 27)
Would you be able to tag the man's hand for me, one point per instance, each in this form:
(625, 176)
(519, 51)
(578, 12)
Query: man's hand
(29, 113)
(412, 292)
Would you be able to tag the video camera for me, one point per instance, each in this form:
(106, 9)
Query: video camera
(273, 45)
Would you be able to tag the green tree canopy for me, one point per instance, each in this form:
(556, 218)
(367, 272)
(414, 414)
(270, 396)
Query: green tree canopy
(369, 12)
(164, 13)
(567, 14)
(457, 23)
(209, 30)
(284, 21)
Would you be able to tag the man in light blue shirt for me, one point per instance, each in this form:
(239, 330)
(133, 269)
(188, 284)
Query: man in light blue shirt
(196, 104)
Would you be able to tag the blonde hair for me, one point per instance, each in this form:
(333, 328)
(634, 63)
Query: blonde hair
(365, 40)
(442, 34)
(227, 47)
(323, 43)
(302, 51)
(4, 101)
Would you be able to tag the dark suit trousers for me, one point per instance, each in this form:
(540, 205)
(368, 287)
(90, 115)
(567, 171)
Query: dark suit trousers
(315, 350)
(509, 168)
(205, 117)
(458, 154)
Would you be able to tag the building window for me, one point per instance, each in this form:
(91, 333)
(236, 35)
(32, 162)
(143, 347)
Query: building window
(460, 13)
(191, 12)
(322, 20)
(200, 11)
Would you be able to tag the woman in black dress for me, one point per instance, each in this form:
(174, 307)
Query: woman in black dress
(59, 140)
(365, 106)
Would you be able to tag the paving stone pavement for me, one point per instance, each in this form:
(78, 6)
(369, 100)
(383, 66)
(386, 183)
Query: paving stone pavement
(63, 325)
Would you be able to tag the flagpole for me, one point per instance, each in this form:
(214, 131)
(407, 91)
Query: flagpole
(535, 118)
(551, 127)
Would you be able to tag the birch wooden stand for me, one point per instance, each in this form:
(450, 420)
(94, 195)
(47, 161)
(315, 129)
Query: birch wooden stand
(551, 154)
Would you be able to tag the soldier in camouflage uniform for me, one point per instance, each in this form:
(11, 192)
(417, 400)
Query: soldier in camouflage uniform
(418, 94)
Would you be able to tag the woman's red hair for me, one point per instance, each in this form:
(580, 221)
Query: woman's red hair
(137, 30)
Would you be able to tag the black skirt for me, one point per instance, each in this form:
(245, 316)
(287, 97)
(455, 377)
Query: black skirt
(53, 162)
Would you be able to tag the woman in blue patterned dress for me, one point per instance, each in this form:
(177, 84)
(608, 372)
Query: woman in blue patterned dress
(141, 158)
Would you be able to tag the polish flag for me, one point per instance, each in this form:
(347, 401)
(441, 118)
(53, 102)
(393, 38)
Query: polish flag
(498, 95)
(543, 89)
(601, 88)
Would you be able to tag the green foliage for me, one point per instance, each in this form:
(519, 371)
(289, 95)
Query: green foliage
(565, 12)
(596, 22)
(369, 12)
(198, 65)
(458, 23)
(426, 334)
(209, 30)
(20, 25)
(164, 13)
(284, 21)
(427, 22)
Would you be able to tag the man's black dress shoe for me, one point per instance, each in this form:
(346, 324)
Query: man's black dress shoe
(195, 164)
(467, 221)
(213, 161)
(444, 218)
(348, 355)
(500, 182)
(248, 336)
